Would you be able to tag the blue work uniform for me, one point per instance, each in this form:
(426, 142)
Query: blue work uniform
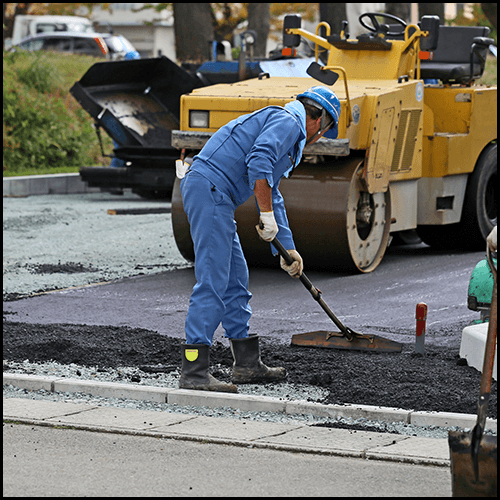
(266, 144)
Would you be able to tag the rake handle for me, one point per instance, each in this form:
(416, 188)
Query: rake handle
(487, 372)
(313, 290)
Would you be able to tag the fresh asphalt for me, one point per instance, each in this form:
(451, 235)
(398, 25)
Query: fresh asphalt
(47, 452)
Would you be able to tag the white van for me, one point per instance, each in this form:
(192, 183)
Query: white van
(26, 25)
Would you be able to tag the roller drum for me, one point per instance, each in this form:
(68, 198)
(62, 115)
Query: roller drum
(334, 226)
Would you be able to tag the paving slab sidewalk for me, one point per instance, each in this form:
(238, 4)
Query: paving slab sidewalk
(255, 434)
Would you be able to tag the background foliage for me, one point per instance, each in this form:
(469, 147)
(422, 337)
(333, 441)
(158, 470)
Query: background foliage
(44, 128)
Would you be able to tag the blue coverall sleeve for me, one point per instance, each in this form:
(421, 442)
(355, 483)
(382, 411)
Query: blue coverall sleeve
(278, 136)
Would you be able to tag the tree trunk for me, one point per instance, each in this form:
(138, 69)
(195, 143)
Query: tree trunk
(401, 10)
(8, 21)
(333, 14)
(258, 20)
(431, 9)
(490, 11)
(193, 32)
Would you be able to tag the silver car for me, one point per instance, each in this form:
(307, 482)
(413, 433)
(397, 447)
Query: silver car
(111, 47)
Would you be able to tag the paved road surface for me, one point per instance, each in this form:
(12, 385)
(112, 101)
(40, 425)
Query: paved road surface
(380, 302)
(41, 461)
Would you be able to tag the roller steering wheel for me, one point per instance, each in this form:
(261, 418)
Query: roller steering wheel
(376, 28)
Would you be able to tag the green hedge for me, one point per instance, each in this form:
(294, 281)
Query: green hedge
(44, 128)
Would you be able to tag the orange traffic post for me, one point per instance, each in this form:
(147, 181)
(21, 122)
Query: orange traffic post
(421, 316)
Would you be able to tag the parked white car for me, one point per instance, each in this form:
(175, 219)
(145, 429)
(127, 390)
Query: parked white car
(29, 25)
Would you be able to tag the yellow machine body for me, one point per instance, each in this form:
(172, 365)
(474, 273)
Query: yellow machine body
(387, 116)
(458, 123)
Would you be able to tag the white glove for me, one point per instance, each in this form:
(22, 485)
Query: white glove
(267, 227)
(181, 167)
(492, 239)
(296, 267)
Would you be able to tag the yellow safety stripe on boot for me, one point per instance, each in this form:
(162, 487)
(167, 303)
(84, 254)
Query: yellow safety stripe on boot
(191, 354)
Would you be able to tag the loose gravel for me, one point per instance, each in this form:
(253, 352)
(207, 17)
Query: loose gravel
(127, 375)
(97, 246)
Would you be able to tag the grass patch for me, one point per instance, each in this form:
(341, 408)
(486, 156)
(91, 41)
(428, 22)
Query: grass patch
(44, 129)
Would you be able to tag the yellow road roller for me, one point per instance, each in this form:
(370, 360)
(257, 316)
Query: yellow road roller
(416, 146)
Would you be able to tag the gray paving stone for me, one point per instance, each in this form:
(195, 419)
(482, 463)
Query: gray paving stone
(353, 443)
(123, 418)
(229, 428)
(39, 409)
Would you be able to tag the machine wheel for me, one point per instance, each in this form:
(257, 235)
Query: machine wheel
(479, 213)
(336, 225)
(405, 237)
(153, 194)
(180, 224)
(480, 206)
(368, 224)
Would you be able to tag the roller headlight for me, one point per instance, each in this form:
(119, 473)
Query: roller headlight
(198, 119)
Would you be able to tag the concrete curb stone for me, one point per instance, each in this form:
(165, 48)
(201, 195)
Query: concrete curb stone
(34, 185)
(243, 402)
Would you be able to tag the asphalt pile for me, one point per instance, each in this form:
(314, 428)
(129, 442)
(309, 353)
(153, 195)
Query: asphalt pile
(436, 381)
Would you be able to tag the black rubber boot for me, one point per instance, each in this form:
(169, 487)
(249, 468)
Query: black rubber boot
(194, 372)
(248, 367)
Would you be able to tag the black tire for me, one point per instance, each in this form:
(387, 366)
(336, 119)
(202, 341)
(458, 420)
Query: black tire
(407, 237)
(479, 213)
(153, 194)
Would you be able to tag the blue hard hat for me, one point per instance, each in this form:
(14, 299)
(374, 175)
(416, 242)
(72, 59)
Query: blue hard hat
(326, 99)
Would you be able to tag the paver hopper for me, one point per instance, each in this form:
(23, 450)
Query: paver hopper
(137, 103)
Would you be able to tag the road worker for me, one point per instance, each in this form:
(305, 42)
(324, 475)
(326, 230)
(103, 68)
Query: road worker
(249, 155)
